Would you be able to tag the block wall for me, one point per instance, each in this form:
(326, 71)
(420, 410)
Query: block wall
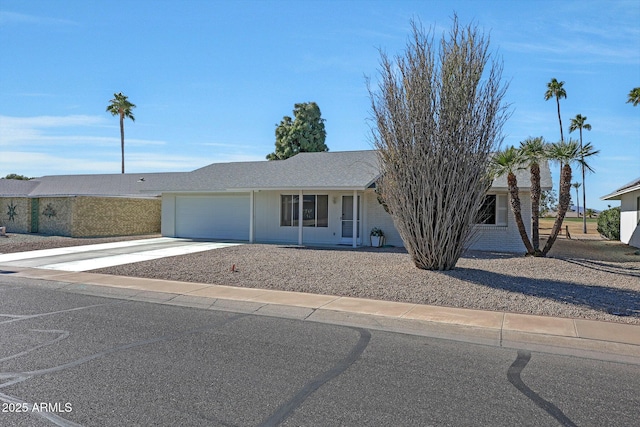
(55, 215)
(115, 216)
(15, 214)
(501, 238)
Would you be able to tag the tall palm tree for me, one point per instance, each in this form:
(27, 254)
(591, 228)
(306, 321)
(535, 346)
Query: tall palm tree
(555, 90)
(534, 151)
(634, 96)
(507, 162)
(576, 185)
(580, 122)
(566, 153)
(120, 106)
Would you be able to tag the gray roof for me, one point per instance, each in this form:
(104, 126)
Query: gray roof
(16, 187)
(340, 170)
(524, 179)
(108, 185)
(326, 170)
(627, 188)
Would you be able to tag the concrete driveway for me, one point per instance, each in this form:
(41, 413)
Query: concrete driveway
(91, 257)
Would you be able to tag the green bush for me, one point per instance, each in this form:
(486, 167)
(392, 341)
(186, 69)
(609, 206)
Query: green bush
(609, 223)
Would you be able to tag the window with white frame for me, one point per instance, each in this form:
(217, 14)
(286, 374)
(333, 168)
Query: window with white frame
(493, 210)
(315, 210)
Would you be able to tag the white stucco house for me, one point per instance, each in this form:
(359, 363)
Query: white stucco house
(629, 196)
(323, 198)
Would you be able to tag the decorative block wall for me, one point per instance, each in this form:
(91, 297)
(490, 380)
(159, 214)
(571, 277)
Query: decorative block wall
(82, 216)
(115, 216)
(15, 214)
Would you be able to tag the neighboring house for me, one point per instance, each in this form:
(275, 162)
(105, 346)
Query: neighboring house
(629, 196)
(82, 205)
(323, 198)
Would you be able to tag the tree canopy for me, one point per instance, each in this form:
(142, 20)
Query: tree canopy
(16, 176)
(634, 96)
(304, 133)
(121, 107)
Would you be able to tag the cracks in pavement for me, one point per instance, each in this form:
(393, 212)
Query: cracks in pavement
(513, 375)
(287, 408)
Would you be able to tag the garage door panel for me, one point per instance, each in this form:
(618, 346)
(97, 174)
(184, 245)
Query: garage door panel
(214, 217)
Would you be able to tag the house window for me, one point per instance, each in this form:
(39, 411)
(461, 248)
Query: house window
(493, 210)
(315, 210)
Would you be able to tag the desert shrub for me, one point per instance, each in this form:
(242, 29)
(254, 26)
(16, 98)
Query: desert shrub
(609, 223)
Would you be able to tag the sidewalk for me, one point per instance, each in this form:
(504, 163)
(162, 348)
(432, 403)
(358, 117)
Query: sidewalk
(587, 338)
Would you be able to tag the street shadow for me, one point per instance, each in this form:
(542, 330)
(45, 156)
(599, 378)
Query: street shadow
(615, 301)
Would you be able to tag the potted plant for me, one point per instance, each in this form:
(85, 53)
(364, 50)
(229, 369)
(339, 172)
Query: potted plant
(377, 237)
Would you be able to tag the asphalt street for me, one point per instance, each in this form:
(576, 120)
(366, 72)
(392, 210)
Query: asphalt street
(96, 361)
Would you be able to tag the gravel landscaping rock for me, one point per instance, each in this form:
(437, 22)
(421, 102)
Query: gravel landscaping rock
(591, 279)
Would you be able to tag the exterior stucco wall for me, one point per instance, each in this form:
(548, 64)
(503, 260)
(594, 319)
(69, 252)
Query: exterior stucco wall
(267, 219)
(168, 215)
(267, 227)
(20, 220)
(376, 216)
(630, 219)
(114, 216)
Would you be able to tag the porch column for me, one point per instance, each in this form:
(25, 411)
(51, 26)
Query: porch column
(251, 215)
(355, 218)
(300, 218)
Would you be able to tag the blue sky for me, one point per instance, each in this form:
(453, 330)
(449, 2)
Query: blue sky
(212, 79)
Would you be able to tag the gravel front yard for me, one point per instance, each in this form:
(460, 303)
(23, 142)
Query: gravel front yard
(591, 279)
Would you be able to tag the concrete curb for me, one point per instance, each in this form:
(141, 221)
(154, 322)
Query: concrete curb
(587, 338)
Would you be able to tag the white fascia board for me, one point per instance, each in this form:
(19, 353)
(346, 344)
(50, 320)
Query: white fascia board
(616, 195)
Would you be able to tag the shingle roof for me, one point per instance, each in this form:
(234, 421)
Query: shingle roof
(16, 187)
(524, 179)
(347, 170)
(326, 170)
(110, 185)
(627, 188)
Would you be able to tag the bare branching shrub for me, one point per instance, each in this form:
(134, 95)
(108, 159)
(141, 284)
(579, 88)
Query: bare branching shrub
(438, 115)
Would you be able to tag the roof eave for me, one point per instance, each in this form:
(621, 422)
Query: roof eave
(616, 195)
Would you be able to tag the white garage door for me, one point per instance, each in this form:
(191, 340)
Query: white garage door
(213, 217)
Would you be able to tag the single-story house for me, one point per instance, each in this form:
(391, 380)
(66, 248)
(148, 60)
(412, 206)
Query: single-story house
(323, 198)
(629, 196)
(82, 205)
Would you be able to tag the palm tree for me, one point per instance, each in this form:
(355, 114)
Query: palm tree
(120, 106)
(534, 152)
(634, 96)
(579, 122)
(576, 185)
(566, 153)
(506, 162)
(555, 90)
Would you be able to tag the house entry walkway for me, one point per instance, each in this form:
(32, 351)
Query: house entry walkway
(91, 257)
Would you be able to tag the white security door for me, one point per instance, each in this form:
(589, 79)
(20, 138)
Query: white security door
(213, 217)
(347, 220)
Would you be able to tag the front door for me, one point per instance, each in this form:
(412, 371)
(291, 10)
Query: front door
(347, 220)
